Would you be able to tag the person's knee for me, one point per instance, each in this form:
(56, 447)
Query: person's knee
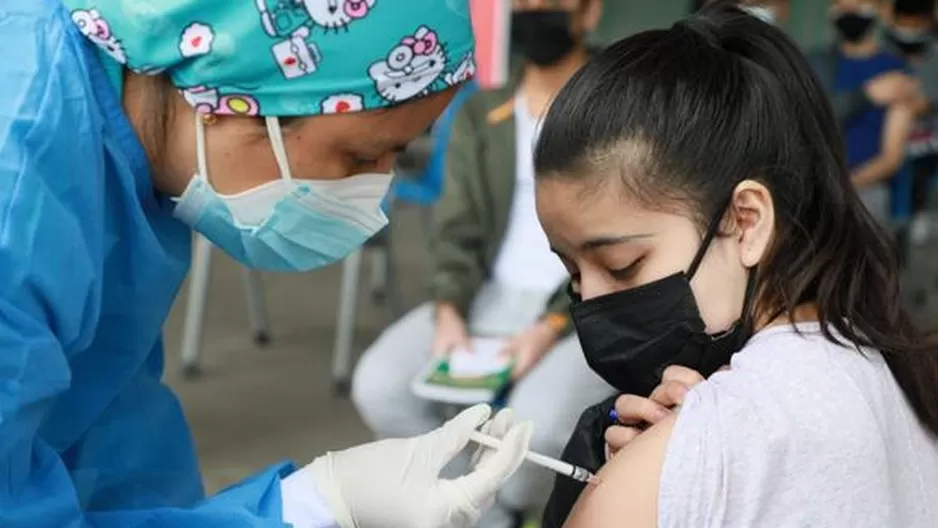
(381, 381)
(370, 390)
(374, 387)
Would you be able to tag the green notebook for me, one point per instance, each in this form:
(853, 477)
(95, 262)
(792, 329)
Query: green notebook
(436, 383)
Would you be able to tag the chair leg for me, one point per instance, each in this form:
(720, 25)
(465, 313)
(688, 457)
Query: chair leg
(257, 308)
(392, 284)
(345, 324)
(195, 308)
(379, 276)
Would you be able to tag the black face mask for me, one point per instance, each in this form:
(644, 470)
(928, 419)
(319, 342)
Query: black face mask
(852, 27)
(542, 36)
(630, 337)
(910, 45)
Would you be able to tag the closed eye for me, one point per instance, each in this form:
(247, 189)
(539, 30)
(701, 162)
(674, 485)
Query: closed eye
(626, 273)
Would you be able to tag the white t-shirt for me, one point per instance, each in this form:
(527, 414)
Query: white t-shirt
(799, 433)
(524, 261)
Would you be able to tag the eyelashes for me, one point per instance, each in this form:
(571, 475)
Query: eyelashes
(628, 272)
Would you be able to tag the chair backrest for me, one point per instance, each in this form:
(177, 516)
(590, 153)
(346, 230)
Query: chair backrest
(425, 188)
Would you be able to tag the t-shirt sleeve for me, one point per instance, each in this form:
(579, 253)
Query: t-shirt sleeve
(730, 456)
(693, 479)
(752, 445)
(892, 62)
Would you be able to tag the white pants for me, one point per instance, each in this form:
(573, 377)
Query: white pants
(876, 198)
(552, 396)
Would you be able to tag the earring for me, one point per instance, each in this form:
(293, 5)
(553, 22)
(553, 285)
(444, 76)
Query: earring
(209, 119)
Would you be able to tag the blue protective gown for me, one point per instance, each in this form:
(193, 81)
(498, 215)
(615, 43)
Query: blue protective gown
(90, 261)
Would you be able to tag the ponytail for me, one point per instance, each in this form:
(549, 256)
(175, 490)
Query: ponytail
(843, 260)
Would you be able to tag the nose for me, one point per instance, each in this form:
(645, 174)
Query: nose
(593, 285)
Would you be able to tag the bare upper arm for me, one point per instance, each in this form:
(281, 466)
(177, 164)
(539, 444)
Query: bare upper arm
(896, 130)
(627, 495)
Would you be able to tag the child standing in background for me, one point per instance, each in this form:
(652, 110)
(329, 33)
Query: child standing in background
(876, 135)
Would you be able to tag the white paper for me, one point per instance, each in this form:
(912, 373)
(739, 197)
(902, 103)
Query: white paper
(483, 359)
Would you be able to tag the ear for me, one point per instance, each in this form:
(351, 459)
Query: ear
(592, 14)
(754, 212)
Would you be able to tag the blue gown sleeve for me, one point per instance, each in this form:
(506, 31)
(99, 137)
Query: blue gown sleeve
(52, 248)
(49, 285)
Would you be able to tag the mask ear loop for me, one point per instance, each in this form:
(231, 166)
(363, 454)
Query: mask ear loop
(708, 239)
(746, 316)
(275, 134)
(200, 155)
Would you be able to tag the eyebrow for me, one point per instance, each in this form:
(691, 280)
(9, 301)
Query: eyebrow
(605, 241)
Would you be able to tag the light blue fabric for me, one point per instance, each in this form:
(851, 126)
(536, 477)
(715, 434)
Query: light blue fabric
(90, 261)
(425, 188)
(288, 57)
(284, 242)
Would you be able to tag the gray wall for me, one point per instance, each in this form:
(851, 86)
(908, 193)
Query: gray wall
(808, 23)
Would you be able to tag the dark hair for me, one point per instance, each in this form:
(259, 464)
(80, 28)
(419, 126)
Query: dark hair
(682, 115)
(914, 7)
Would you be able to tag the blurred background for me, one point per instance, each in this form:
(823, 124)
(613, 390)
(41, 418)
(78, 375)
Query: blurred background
(809, 24)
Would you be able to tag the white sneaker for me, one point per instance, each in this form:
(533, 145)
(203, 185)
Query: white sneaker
(919, 229)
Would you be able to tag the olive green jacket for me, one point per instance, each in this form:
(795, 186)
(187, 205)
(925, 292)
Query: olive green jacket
(471, 218)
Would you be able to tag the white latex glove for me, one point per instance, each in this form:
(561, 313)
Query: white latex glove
(497, 427)
(396, 484)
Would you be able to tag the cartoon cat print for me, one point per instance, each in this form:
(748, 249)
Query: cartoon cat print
(411, 68)
(337, 14)
(97, 29)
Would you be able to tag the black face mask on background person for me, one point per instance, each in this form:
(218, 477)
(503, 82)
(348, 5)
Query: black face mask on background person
(630, 337)
(542, 36)
(853, 27)
(909, 43)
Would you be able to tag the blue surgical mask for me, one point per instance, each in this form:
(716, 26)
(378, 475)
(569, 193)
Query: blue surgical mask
(286, 224)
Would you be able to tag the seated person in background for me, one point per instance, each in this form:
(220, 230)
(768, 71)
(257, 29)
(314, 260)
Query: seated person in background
(493, 272)
(876, 136)
(911, 33)
(693, 182)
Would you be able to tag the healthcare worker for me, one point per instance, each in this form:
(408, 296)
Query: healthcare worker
(123, 123)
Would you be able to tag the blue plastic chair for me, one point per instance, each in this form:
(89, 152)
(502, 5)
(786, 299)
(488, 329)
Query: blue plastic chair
(425, 188)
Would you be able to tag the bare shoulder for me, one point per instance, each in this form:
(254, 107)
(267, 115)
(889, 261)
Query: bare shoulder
(627, 494)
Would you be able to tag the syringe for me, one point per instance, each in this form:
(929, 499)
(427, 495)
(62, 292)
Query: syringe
(568, 470)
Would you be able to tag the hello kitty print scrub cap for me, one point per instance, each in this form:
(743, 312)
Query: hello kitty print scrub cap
(287, 57)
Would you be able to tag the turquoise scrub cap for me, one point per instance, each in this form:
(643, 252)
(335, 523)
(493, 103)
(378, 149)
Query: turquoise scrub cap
(287, 57)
